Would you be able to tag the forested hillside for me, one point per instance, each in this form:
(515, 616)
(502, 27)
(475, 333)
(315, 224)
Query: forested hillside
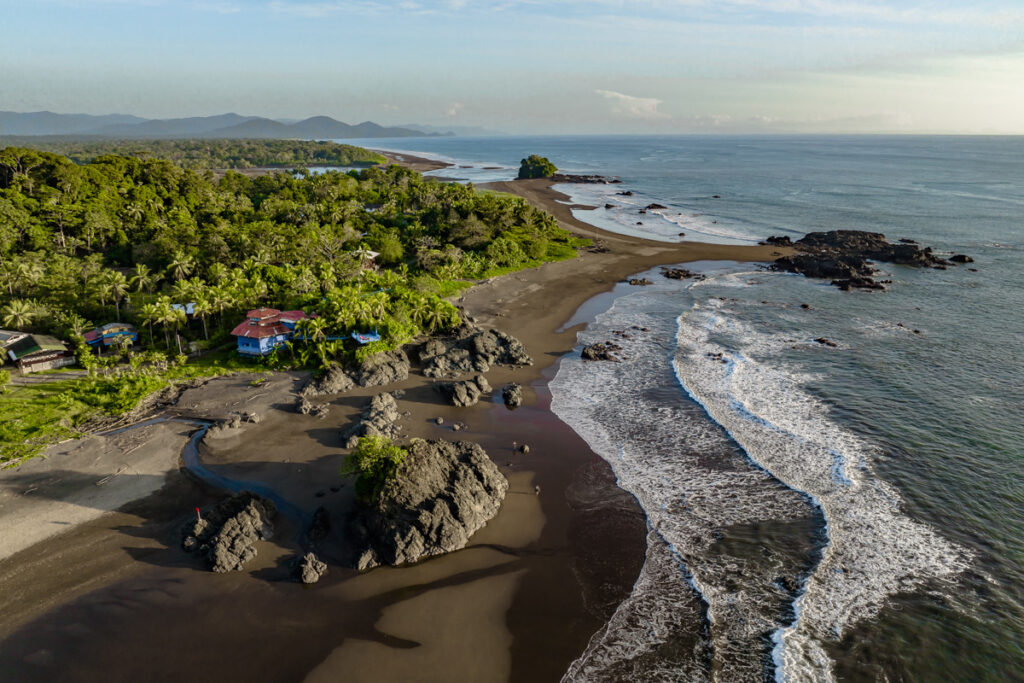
(201, 155)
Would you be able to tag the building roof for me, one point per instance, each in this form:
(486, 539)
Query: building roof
(109, 328)
(35, 343)
(189, 308)
(253, 330)
(8, 337)
(292, 316)
(261, 313)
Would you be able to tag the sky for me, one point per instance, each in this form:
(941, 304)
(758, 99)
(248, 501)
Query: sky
(530, 66)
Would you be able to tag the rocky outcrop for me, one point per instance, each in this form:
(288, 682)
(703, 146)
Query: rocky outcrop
(844, 256)
(680, 274)
(379, 418)
(466, 392)
(443, 493)
(227, 533)
(310, 569)
(472, 349)
(584, 179)
(601, 351)
(655, 207)
(960, 258)
(640, 282)
(383, 368)
(336, 380)
(512, 395)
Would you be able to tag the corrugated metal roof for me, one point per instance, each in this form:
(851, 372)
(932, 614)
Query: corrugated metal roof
(253, 331)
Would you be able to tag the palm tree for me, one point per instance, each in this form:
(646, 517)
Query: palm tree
(116, 284)
(18, 313)
(150, 314)
(182, 265)
(143, 278)
(203, 307)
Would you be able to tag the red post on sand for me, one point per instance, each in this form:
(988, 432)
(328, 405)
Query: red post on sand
(199, 517)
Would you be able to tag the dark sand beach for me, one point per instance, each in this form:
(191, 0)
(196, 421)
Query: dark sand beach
(112, 597)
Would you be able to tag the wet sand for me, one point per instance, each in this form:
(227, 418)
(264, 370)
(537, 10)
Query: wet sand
(519, 603)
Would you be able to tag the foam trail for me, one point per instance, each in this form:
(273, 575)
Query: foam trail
(694, 485)
(874, 550)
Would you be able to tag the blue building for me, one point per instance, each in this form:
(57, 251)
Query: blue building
(265, 329)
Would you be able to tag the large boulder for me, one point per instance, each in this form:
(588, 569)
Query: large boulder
(383, 368)
(466, 392)
(601, 351)
(443, 493)
(512, 395)
(309, 568)
(379, 418)
(227, 533)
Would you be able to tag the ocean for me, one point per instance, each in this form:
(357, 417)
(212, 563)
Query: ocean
(851, 512)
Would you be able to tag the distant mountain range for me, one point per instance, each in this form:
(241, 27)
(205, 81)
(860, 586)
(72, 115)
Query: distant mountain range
(122, 126)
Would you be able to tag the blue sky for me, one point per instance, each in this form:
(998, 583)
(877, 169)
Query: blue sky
(631, 66)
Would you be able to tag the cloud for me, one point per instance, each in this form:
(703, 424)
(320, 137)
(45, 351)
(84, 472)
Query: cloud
(454, 109)
(635, 107)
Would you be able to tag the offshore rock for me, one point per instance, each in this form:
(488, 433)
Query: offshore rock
(443, 493)
(640, 282)
(464, 393)
(961, 258)
(844, 256)
(512, 395)
(228, 532)
(680, 274)
(601, 351)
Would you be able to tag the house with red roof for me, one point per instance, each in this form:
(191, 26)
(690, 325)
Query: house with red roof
(265, 329)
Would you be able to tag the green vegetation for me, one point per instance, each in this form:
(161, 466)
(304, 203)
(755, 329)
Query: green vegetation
(535, 166)
(376, 461)
(199, 155)
(126, 238)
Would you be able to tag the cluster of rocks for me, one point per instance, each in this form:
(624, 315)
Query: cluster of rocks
(379, 418)
(584, 179)
(512, 395)
(472, 349)
(376, 371)
(233, 421)
(601, 351)
(465, 392)
(227, 534)
(844, 257)
(442, 494)
(680, 274)
(640, 282)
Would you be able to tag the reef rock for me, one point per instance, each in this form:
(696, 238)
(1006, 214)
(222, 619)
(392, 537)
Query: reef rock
(843, 256)
(680, 274)
(464, 393)
(640, 282)
(228, 532)
(601, 351)
(443, 493)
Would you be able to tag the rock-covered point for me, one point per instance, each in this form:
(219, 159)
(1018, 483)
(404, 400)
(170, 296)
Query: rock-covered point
(443, 493)
(227, 533)
(844, 256)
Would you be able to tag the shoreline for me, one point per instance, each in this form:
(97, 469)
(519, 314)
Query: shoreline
(582, 531)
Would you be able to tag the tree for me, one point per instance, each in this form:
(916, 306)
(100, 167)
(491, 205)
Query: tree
(535, 166)
(143, 279)
(375, 461)
(203, 307)
(116, 285)
(18, 314)
(181, 266)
